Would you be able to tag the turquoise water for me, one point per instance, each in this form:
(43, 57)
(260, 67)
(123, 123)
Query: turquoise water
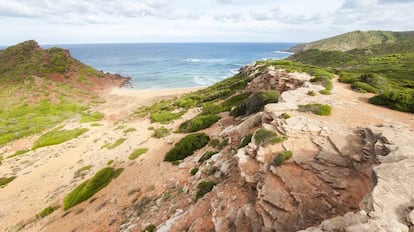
(172, 65)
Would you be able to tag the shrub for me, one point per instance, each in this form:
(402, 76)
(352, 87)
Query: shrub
(115, 144)
(58, 136)
(324, 81)
(137, 153)
(149, 228)
(17, 153)
(88, 188)
(164, 116)
(6, 180)
(131, 129)
(280, 158)
(245, 140)
(263, 137)
(204, 187)
(325, 92)
(82, 171)
(194, 171)
(207, 155)
(316, 108)
(363, 87)
(311, 93)
(46, 211)
(285, 116)
(256, 102)
(109, 162)
(402, 100)
(186, 146)
(91, 117)
(210, 108)
(160, 132)
(199, 122)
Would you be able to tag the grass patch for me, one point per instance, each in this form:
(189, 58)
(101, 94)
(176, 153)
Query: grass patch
(311, 93)
(150, 228)
(186, 146)
(88, 188)
(285, 116)
(319, 109)
(325, 92)
(110, 162)
(199, 122)
(117, 143)
(82, 171)
(204, 187)
(46, 211)
(58, 136)
(17, 153)
(91, 117)
(194, 171)
(131, 129)
(6, 180)
(245, 140)
(264, 137)
(280, 158)
(96, 124)
(137, 153)
(160, 132)
(165, 116)
(207, 155)
(255, 103)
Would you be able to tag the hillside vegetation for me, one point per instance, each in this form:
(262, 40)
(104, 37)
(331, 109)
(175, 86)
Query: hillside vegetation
(354, 40)
(386, 69)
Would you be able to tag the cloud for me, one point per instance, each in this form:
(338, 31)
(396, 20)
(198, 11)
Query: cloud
(357, 4)
(14, 9)
(233, 18)
(226, 1)
(394, 1)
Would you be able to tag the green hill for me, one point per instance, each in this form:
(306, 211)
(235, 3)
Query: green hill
(355, 40)
(386, 69)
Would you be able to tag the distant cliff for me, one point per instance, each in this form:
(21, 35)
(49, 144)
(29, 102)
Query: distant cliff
(354, 40)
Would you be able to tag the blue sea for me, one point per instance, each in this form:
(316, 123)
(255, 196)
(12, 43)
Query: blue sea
(172, 65)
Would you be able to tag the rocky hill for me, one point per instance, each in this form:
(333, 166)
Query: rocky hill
(355, 40)
(281, 146)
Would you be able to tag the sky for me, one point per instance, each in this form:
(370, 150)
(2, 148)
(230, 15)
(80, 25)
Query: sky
(129, 21)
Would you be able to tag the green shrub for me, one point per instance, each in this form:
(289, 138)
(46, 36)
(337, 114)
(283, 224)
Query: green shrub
(160, 132)
(165, 116)
(6, 180)
(311, 93)
(402, 100)
(263, 137)
(199, 122)
(96, 124)
(88, 188)
(245, 140)
(115, 144)
(46, 211)
(91, 117)
(227, 105)
(324, 81)
(58, 136)
(285, 116)
(149, 228)
(82, 171)
(186, 146)
(17, 153)
(207, 155)
(325, 92)
(256, 102)
(363, 87)
(194, 171)
(137, 153)
(131, 129)
(204, 187)
(214, 143)
(280, 158)
(110, 162)
(316, 108)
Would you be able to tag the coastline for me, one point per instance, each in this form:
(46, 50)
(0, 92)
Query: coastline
(153, 93)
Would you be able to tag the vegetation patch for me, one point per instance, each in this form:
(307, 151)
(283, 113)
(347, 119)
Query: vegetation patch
(17, 153)
(160, 132)
(207, 155)
(137, 153)
(263, 137)
(6, 180)
(91, 117)
(204, 187)
(165, 116)
(199, 122)
(110, 162)
(46, 211)
(316, 108)
(256, 102)
(194, 171)
(311, 93)
(186, 146)
(57, 136)
(150, 228)
(280, 158)
(363, 87)
(245, 140)
(88, 188)
(211, 108)
(82, 171)
(285, 116)
(401, 100)
(131, 129)
(117, 143)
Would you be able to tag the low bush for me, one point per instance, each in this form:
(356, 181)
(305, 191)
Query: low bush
(58, 136)
(88, 188)
(17, 153)
(285, 116)
(186, 146)
(6, 180)
(82, 171)
(137, 153)
(324, 81)
(311, 93)
(325, 92)
(160, 132)
(207, 155)
(199, 122)
(363, 87)
(115, 144)
(91, 117)
(194, 171)
(245, 140)
(150, 228)
(46, 211)
(263, 137)
(204, 187)
(131, 129)
(255, 103)
(402, 100)
(280, 158)
(210, 108)
(165, 116)
(316, 108)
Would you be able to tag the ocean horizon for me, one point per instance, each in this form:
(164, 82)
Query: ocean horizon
(174, 65)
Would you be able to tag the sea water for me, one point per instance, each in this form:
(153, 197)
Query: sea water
(174, 65)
